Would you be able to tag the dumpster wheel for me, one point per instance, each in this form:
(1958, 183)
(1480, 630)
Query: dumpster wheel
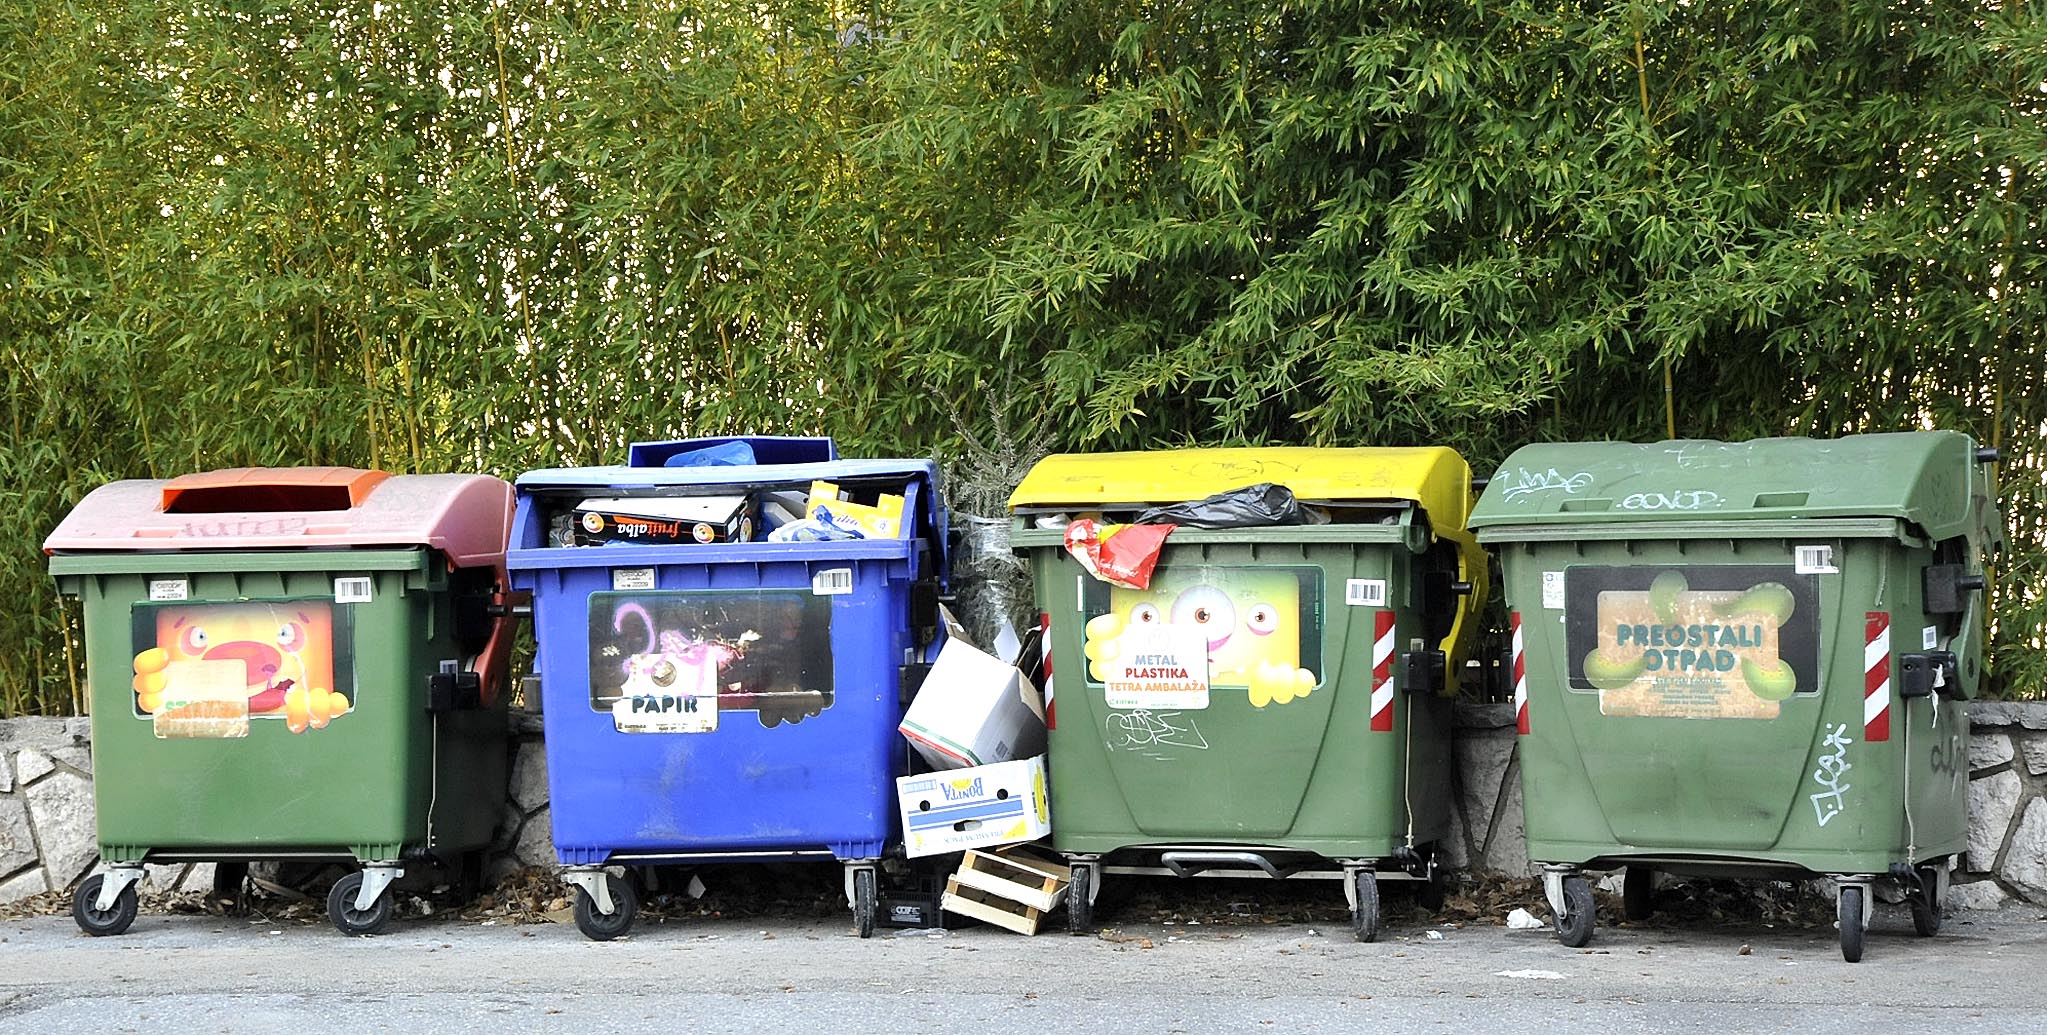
(603, 927)
(863, 901)
(1925, 901)
(350, 920)
(1080, 898)
(1852, 911)
(1364, 913)
(95, 921)
(1574, 928)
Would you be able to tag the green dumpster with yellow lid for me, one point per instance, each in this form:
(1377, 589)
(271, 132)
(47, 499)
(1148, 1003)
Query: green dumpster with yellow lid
(1276, 702)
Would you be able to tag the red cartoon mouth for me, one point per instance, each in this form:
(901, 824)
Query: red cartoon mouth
(260, 661)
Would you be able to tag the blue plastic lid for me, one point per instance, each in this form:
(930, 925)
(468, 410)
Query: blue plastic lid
(767, 449)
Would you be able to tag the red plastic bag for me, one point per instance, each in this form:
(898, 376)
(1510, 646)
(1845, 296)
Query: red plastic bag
(1121, 555)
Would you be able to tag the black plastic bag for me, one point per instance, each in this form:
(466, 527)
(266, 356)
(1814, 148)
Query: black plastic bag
(1252, 506)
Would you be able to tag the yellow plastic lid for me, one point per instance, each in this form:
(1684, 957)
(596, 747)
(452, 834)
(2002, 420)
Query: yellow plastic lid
(1433, 476)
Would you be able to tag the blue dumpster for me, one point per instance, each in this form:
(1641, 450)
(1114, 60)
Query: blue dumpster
(709, 696)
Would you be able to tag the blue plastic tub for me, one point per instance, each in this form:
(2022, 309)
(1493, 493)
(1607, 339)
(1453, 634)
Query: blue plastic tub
(724, 701)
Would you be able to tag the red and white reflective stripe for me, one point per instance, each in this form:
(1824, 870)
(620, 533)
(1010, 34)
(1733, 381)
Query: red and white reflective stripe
(1520, 678)
(1045, 646)
(1876, 679)
(1382, 672)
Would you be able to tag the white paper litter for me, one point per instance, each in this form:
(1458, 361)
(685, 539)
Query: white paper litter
(1523, 920)
(1540, 975)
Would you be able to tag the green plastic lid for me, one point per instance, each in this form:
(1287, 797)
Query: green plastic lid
(1928, 478)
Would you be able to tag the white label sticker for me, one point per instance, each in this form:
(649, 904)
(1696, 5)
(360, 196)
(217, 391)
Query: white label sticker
(832, 582)
(352, 590)
(1814, 560)
(1553, 589)
(632, 578)
(1929, 638)
(166, 589)
(1364, 592)
(1161, 667)
(666, 713)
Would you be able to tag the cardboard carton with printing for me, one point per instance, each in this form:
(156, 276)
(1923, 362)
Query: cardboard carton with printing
(979, 807)
(973, 708)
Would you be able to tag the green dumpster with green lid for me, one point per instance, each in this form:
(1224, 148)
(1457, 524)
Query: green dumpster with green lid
(1276, 702)
(298, 663)
(1745, 659)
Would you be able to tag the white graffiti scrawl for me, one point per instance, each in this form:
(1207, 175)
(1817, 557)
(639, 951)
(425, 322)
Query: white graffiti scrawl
(1523, 482)
(1830, 801)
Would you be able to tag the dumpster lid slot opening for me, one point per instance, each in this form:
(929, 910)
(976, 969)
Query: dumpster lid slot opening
(270, 490)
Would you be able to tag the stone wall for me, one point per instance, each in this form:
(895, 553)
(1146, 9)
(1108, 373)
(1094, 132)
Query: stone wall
(47, 842)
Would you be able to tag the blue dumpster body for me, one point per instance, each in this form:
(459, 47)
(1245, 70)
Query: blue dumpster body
(729, 700)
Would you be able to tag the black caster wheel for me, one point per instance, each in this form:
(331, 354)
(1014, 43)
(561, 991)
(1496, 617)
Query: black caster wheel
(1638, 893)
(1574, 929)
(95, 921)
(603, 927)
(1080, 907)
(1364, 916)
(1430, 893)
(1926, 902)
(350, 920)
(863, 902)
(1851, 911)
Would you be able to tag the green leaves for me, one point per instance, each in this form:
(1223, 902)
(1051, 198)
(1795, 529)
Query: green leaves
(437, 236)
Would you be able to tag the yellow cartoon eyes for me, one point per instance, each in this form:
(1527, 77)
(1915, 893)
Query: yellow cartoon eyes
(1209, 608)
(1144, 613)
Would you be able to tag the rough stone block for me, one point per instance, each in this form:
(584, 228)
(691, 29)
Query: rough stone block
(1455, 852)
(1482, 767)
(6, 774)
(506, 837)
(32, 764)
(2025, 859)
(529, 776)
(1506, 851)
(61, 809)
(2030, 715)
(1992, 800)
(535, 846)
(17, 844)
(157, 880)
(77, 757)
(198, 878)
(22, 885)
(1987, 750)
(2036, 755)
(1981, 894)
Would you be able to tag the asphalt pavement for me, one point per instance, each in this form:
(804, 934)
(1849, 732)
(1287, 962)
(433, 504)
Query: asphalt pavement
(1985, 974)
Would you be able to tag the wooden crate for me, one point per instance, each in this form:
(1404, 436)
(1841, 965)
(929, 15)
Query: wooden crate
(990, 908)
(1018, 875)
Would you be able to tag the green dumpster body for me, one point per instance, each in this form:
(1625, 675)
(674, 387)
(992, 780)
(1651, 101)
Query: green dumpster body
(1310, 774)
(1714, 643)
(380, 780)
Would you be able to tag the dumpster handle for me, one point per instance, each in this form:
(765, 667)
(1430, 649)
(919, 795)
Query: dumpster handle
(1187, 864)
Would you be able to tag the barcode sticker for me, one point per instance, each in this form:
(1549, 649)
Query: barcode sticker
(832, 582)
(1364, 592)
(1814, 560)
(632, 578)
(352, 590)
(1553, 589)
(167, 589)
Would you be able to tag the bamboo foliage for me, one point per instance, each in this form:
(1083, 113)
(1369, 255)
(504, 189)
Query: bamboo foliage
(427, 236)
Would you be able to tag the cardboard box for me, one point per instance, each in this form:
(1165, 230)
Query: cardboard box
(973, 708)
(979, 807)
(883, 520)
(663, 520)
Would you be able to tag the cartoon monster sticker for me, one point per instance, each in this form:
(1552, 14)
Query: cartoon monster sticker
(1251, 619)
(215, 665)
